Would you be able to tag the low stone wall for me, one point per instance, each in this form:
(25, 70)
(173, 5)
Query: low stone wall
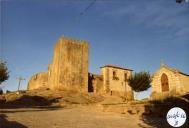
(163, 95)
(128, 95)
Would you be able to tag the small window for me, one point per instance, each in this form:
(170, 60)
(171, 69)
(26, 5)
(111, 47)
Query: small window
(125, 77)
(115, 75)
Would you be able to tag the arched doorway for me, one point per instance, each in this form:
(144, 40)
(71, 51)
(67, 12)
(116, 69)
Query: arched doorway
(164, 83)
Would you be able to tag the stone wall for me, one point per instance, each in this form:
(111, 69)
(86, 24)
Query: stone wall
(184, 81)
(39, 80)
(95, 83)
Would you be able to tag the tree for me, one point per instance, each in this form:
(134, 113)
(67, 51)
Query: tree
(4, 74)
(140, 81)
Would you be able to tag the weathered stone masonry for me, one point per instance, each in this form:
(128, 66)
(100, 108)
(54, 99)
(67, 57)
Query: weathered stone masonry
(69, 67)
(169, 81)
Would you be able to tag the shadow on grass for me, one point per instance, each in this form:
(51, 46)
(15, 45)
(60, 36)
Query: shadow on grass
(26, 101)
(31, 109)
(4, 123)
(156, 111)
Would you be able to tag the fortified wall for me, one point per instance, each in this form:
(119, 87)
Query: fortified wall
(39, 80)
(69, 67)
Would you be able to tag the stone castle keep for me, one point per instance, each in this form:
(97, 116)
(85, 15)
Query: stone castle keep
(69, 67)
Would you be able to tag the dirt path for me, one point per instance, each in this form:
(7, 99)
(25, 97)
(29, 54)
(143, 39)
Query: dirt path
(77, 117)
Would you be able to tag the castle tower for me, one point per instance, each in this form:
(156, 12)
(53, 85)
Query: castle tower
(69, 67)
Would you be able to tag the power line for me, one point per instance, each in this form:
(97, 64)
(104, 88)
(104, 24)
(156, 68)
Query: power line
(87, 8)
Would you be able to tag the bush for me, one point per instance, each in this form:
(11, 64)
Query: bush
(4, 75)
(140, 81)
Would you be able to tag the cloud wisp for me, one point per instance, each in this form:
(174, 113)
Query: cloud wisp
(155, 14)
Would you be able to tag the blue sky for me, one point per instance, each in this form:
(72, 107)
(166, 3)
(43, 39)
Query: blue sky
(131, 33)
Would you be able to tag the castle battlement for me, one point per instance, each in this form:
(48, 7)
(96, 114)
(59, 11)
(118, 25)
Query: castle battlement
(70, 39)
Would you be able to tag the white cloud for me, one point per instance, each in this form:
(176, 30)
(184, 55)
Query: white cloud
(159, 13)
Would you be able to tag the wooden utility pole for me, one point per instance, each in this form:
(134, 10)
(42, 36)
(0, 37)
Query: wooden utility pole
(20, 78)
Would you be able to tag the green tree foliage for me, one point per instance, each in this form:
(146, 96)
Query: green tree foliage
(4, 74)
(140, 81)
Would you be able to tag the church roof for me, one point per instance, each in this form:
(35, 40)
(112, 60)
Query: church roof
(174, 70)
(115, 66)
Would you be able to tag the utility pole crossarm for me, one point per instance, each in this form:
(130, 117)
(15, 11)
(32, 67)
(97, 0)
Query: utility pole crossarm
(20, 78)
